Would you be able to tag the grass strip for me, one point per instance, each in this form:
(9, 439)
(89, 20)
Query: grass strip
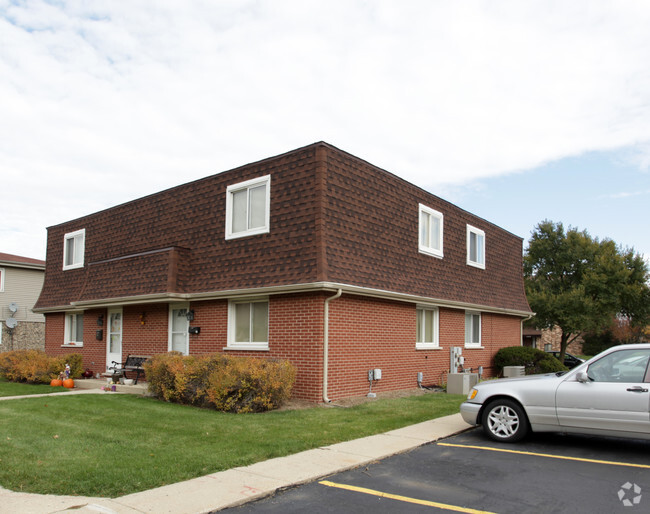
(112, 445)
(17, 389)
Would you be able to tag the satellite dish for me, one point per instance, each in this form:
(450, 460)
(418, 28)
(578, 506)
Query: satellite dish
(11, 322)
(13, 306)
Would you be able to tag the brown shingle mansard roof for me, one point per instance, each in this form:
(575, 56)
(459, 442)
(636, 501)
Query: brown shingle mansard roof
(335, 219)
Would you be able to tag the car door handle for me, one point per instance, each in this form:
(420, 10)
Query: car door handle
(637, 389)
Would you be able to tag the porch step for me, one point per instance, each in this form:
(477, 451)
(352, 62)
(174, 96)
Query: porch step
(97, 383)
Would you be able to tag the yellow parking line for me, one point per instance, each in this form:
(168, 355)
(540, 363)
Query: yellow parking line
(402, 498)
(548, 455)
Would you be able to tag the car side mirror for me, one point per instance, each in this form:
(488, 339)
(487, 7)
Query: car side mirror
(582, 376)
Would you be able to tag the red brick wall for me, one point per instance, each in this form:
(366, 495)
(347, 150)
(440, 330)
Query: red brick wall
(367, 334)
(296, 334)
(93, 351)
(364, 334)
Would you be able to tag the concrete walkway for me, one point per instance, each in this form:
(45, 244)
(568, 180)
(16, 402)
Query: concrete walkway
(240, 485)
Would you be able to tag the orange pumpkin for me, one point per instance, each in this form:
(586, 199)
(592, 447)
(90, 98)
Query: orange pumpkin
(56, 382)
(69, 383)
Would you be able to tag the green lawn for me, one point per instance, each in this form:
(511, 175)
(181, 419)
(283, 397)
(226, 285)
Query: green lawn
(111, 445)
(13, 389)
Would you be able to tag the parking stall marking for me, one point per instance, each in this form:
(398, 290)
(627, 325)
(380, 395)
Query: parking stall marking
(397, 497)
(548, 455)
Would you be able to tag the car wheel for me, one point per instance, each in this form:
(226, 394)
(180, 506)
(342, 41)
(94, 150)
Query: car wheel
(505, 421)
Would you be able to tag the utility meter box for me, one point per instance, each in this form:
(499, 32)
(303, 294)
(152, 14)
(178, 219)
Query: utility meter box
(461, 383)
(513, 371)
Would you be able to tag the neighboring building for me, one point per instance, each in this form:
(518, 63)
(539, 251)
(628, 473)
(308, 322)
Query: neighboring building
(21, 280)
(549, 340)
(314, 256)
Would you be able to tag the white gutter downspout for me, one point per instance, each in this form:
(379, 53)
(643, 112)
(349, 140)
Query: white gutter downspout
(326, 331)
(521, 329)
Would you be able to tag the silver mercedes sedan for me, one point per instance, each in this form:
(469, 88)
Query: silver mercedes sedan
(607, 395)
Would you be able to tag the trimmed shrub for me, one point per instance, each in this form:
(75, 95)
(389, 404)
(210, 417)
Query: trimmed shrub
(36, 367)
(250, 385)
(534, 361)
(225, 383)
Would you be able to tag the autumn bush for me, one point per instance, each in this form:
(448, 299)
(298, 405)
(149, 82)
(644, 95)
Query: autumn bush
(36, 367)
(225, 383)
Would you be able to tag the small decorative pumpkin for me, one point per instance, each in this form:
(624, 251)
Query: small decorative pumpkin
(56, 382)
(69, 383)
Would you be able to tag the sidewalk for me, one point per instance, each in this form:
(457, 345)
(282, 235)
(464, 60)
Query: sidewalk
(240, 485)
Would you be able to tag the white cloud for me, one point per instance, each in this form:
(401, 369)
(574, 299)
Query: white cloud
(103, 102)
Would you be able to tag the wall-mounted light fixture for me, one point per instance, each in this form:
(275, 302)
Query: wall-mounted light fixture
(143, 317)
(100, 320)
(190, 315)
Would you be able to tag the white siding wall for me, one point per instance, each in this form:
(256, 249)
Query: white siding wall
(22, 286)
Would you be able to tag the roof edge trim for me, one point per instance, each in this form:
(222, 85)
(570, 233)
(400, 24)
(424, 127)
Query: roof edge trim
(286, 289)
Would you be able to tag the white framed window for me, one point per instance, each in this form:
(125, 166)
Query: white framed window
(475, 247)
(472, 329)
(248, 324)
(74, 329)
(427, 328)
(248, 207)
(2, 280)
(74, 245)
(430, 229)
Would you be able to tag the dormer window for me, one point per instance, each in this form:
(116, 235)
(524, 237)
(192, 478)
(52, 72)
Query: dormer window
(247, 208)
(430, 231)
(475, 247)
(73, 249)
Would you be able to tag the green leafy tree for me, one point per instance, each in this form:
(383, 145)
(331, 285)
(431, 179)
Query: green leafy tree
(581, 284)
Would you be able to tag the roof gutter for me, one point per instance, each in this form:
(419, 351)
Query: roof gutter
(326, 332)
(292, 288)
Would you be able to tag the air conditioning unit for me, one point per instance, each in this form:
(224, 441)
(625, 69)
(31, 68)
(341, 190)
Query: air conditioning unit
(461, 383)
(513, 371)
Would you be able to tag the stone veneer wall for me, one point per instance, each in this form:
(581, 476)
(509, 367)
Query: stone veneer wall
(553, 337)
(27, 335)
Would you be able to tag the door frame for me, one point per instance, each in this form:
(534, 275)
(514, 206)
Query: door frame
(172, 308)
(109, 333)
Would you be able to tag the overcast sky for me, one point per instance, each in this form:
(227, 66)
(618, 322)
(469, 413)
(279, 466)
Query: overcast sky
(517, 111)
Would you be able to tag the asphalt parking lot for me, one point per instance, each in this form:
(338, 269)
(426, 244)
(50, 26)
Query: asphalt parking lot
(469, 473)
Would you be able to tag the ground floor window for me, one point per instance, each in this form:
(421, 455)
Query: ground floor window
(472, 329)
(74, 329)
(427, 328)
(248, 324)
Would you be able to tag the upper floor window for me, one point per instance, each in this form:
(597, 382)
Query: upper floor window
(475, 247)
(73, 249)
(427, 328)
(430, 231)
(74, 329)
(248, 325)
(2, 280)
(473, 329)
(247, 207)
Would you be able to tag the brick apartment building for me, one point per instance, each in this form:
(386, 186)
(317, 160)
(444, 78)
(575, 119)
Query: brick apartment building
(315, 256)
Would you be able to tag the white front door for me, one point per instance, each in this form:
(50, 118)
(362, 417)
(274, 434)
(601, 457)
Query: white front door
(114, 338)
(178, 328)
